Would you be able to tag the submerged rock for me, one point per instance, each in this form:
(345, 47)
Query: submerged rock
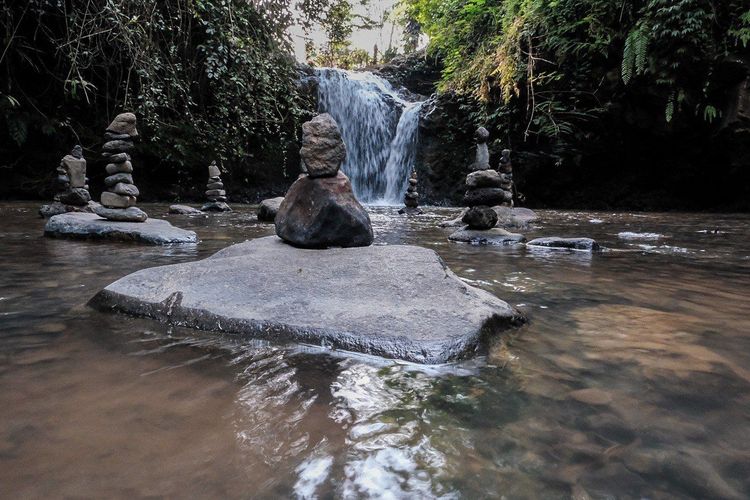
(323, 212)
(91, 226)
(514, 218)
(565, 243)
(184, 210)
(351, 298)
(494, 236)
(216, 206)
(268, 209)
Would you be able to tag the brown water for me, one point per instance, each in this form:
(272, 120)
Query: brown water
(632, 378)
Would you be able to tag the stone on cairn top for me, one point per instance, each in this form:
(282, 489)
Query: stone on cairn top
(118, 201)
(482, 159)
(320, 209)
(215, 192)
(323, 150)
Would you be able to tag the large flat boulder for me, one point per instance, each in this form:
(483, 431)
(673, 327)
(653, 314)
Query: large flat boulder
(414, 308)
(91, 226)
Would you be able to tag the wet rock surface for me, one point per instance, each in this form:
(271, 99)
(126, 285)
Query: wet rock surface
(565, 243)
(91, 226)
(183, 210)
(480, 218)
(494, 236)
(268, 289)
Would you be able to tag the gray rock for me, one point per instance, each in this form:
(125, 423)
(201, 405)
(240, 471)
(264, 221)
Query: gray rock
(75, 196)
(130, 214)
(268, 209)
(118, 146)
(480, 218)
(213, 171)
(215, 185)
(91, 226)
(57, 208)
(514, 218)
(565, 243)
(117, 158)
(487, 196)
(483, 178)
(322, 213)
(323, 149)
(116, 137)
(410, 210)
(183, 210)
(117, 178)
(494, 236)
(124, 123)
(114, 200)
(119, 168)
(125, 189)
(76, 170)
(216, 206)
(216, 192)
(345, 298)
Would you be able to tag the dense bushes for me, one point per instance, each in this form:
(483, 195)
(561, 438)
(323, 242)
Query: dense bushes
(208, 79)
(598, 89)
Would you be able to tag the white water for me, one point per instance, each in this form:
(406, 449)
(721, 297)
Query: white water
(380, 130)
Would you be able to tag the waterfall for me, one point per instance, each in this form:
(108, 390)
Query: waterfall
(379, 128)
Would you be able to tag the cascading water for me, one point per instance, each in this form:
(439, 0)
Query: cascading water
(379, 128)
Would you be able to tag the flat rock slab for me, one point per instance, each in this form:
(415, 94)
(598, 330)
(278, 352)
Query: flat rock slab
(494, 236)
(555, 242)
(414, 308)
(184, 210)
(91, 226)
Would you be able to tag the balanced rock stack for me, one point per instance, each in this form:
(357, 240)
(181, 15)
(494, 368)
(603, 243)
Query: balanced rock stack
(505, 167)
(215, 192)
(485, 188)
(118, 201)
(320, 209)
(71, 185)
(411, 198)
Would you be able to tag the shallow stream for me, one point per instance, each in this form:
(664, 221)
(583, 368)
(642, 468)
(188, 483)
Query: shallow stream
(631, 379)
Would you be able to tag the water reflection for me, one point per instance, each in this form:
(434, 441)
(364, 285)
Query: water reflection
(631, 379)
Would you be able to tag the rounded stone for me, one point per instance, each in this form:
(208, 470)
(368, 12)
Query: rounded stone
(123, 124)
(323, 212)
(117, 179)
(487, 196)
(481, 217)
(118, 146)
(119, 168)
(113, 200)
(268, 209)
(125, 189)
(130, 214)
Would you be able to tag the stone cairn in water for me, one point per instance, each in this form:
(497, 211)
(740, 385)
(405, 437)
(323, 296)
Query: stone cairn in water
(411, 198)
(118, 201)
(71, 185)
(485, 188)
(320, 209)
(215, 192)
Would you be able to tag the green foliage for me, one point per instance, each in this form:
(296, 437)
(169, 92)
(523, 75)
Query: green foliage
(553, 60)
(207, 78)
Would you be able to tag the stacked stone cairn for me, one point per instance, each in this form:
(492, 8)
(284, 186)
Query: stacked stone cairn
(485, 188)
(71, 185)
(411, 198)
(118, 201)
(217, 196)
(320, 209)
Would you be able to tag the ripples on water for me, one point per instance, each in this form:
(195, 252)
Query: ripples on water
(631, 380)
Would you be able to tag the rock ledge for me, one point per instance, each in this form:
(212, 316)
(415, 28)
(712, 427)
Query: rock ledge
(91, 226)
(343, 297)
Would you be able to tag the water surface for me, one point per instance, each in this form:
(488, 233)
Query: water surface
(632, 378)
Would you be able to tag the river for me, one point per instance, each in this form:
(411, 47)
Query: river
(631, 379)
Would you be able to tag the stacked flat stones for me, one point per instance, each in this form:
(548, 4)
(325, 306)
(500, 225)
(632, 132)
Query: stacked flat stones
(320, 209)
(485, 188)
(411, 198)
(71, 185)
(118, 201)
(215, 192)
